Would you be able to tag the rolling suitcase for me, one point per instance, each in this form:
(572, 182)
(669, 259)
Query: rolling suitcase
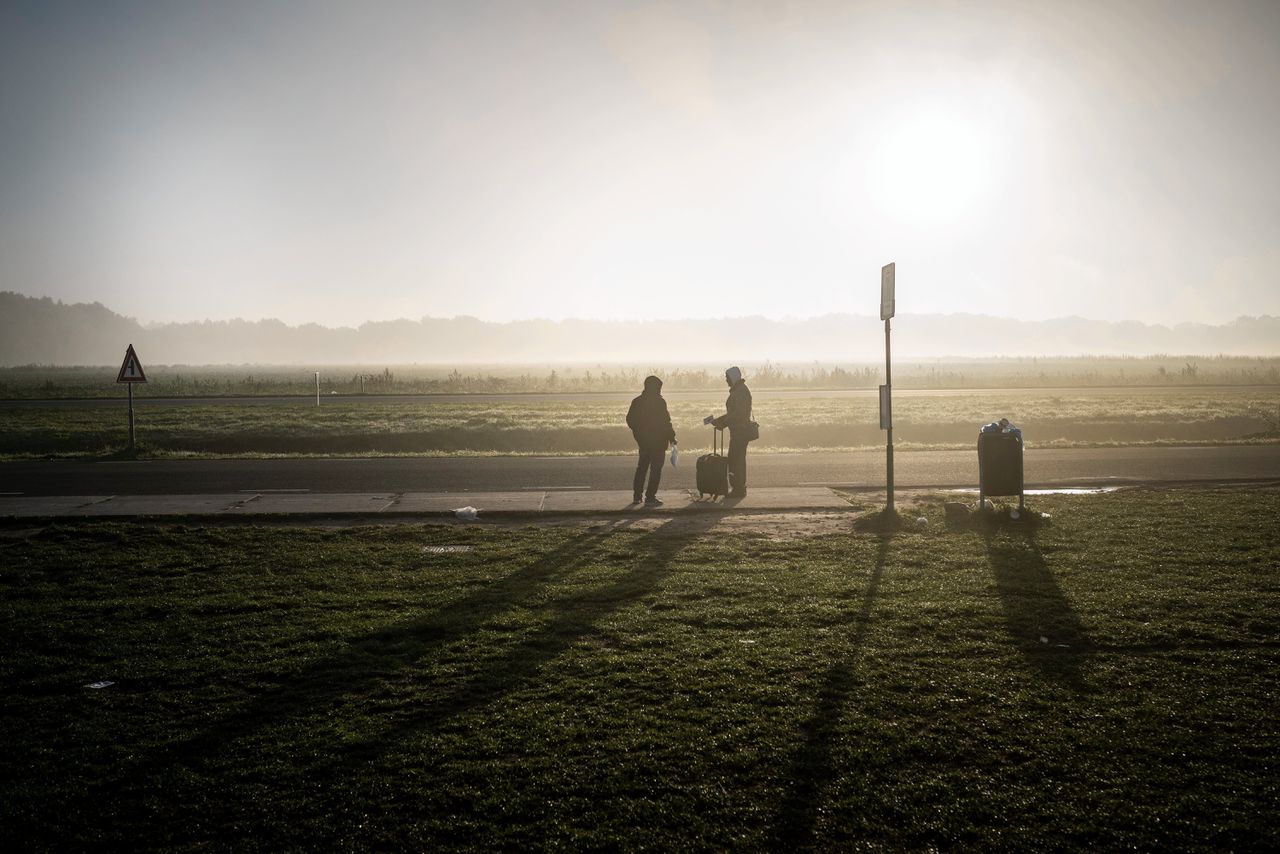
(713, 469)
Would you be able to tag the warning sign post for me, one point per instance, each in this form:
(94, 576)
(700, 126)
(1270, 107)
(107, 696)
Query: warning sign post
(131, 372)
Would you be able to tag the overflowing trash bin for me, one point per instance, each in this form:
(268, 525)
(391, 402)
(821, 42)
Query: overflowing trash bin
(1000, 462)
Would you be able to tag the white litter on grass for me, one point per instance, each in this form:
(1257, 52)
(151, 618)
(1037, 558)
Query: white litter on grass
(922, 522)
(103, 684)
(446, 550)
(468, 513)
(744, 640)
(1043, 639)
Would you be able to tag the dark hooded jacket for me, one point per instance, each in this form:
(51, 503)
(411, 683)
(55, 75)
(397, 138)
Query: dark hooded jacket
(737, 407)
(648, 418)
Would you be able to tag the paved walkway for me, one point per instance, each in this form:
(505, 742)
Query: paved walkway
(529, 502)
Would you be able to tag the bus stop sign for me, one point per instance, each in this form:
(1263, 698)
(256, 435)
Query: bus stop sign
(886, 291)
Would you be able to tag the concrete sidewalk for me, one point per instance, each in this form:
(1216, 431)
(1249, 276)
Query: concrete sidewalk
(529, 502)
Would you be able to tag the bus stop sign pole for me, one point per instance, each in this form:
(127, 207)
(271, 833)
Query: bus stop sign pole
(886, 390)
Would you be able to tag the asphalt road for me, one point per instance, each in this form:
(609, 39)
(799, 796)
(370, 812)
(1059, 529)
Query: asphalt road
(141, 399)
(1044, 467)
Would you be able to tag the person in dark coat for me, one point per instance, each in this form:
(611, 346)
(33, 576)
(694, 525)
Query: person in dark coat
(650, 423)
(737, 418)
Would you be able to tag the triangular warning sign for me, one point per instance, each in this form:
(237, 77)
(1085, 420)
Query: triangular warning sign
(131, 368)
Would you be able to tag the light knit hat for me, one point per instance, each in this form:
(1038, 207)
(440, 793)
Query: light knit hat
(733, 374)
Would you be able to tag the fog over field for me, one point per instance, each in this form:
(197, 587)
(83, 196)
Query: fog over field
(44, 331)
(612, 182)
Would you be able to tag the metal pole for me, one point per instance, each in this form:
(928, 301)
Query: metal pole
(317, 388)
(130, 415)
(888, 381)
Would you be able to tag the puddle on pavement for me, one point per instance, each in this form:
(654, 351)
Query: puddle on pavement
(1062, 490)
(1073, 490)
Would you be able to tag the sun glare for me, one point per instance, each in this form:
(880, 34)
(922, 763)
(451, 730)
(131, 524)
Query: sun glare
(930, 167)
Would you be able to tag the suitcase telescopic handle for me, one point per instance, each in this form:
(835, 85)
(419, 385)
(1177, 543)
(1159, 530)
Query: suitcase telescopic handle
(717, 433)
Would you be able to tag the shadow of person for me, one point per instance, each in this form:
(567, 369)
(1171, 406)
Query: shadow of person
(349, 687)
(564, 622)
(1038, 616)
(811, 768)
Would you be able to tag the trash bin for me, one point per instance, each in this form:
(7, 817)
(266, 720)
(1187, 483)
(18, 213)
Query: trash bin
(1000, 462)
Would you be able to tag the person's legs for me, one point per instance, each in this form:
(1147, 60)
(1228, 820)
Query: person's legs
(657, 456)
(642, 468)
(737, 463)
(650, 464)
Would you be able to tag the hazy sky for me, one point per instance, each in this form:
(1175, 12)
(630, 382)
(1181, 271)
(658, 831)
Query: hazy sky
(338, 162)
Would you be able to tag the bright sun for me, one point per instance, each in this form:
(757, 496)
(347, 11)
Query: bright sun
(930, 167)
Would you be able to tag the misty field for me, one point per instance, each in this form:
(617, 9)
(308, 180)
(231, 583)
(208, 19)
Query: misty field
(580, 424)
(1103, 679)
(27, 382)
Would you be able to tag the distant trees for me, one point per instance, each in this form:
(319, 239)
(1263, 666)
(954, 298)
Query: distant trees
(45, 331)
(29, 381)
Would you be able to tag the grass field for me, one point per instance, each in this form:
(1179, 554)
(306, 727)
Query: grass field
(590, 424)
(1105, 678)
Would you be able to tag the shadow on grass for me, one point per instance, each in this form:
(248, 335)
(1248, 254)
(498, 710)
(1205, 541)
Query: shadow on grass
(1040, 619)
(376, 666)
(563, 623)
(812, 769)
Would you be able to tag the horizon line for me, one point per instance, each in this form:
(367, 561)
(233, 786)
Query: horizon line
(617, 320)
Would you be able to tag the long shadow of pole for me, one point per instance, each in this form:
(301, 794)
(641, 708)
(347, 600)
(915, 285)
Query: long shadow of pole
(811, 769)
